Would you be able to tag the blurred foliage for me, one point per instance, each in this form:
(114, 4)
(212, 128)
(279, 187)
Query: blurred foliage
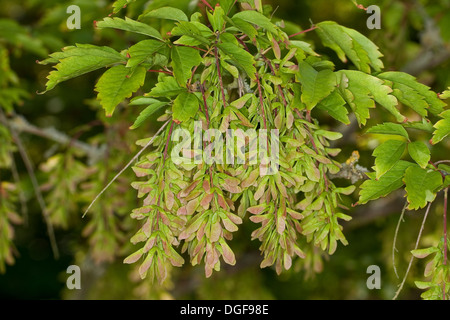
(31, 29)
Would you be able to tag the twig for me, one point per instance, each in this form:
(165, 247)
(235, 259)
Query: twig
(395, 238)
(22, 199)
(37, 191)
(219, 74)
(20, 124)
(445, 236)
(127, 166)
(415, 248)
(168, 141)
(207, 4)
(302, 32)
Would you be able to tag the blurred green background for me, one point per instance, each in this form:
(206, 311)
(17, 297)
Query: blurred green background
(414, 37)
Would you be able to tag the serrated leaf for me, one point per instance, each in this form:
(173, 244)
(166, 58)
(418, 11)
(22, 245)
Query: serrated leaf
(362, 90)
(413, 94)
(77, 60)
(183, 60)
(146, 113)
(257, 18)
(442, 128)
(168, 13)
(192, 33)
(315, 85)
(217, 18)
(390, 129)
(129, 25)
(117, 84)
(420, 153)
(244, 26)
(242, 58)
(421, 186)
(120, 4)
(185, 106)
(387, 155)
(144, 50)
(392, 180)
(350, 43)
(167, 87)
(334, 104)
(445, 95)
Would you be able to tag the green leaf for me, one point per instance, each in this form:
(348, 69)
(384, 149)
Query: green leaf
(167, 87)
(183, 60)
(129, 25)
(120, 4)
(387, 155)
(445, 95)
(81, 59)
(146, 113)
(420, 153)
(244, 26)
(117, 84)
(217, 19)
(168, 13)
(334, 104)
(226, 5)
(442, 128)
(392, 180)
(350, 43)
(257, 18)
(144, 50)
(389, 128)
(421, 186)
(413, 94)
(242, 58)
(362, 90)
(316, 85)
(140, 101)
(185, 106)
(423, 125)
(192, 33)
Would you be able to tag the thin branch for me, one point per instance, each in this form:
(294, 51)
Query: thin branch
(168, 141)
(415, 248)
(302, 32)
(445, 236)
(442, 161)
(22, 199)
(20, 124)
(395, 238)
(127, 166)
(161, 71)
(207, 4)
(37, 191)
(219, 74)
